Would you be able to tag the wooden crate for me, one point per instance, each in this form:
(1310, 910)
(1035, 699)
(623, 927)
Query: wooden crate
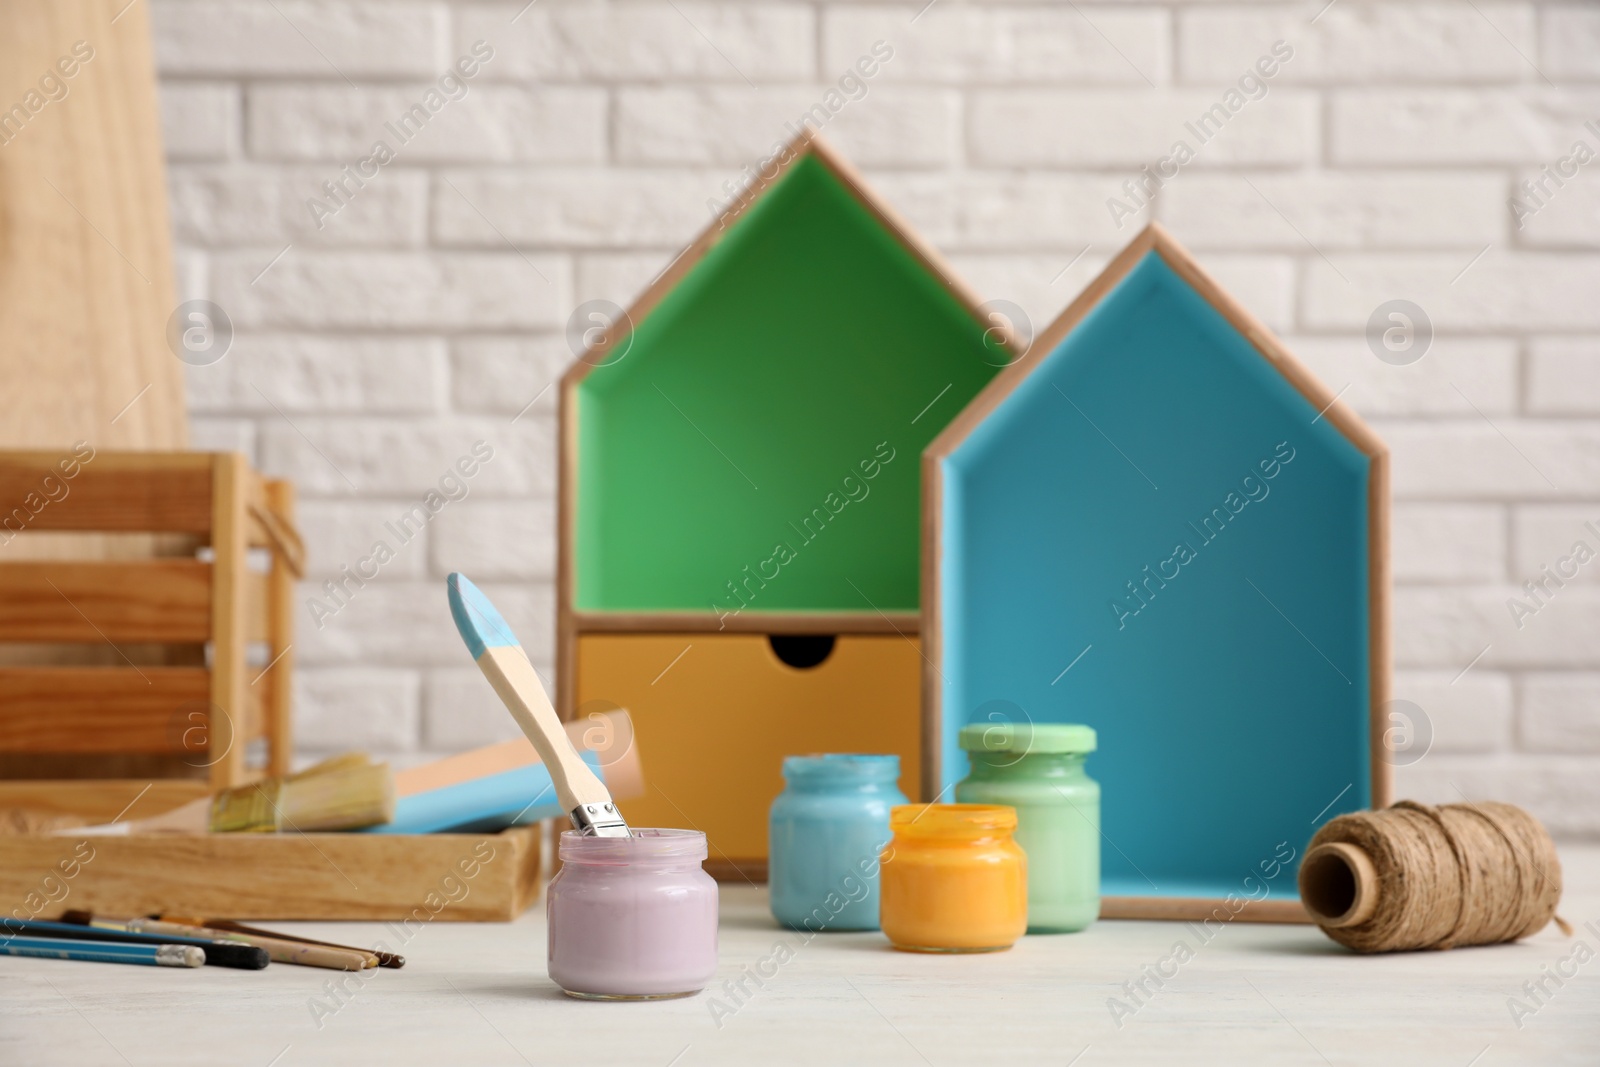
(204, 715)
(291, 876)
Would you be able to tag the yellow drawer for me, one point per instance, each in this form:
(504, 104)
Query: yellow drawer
(714, 715)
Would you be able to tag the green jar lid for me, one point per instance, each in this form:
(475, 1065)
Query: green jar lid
(1023, 737)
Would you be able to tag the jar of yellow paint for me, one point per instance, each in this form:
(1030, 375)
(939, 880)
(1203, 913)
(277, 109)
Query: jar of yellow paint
(952, 879)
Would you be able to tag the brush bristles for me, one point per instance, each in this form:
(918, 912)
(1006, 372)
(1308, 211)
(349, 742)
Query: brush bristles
(345, 800)
(343, 793)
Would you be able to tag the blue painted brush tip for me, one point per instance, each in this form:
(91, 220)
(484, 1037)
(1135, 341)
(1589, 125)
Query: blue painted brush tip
(480, 625)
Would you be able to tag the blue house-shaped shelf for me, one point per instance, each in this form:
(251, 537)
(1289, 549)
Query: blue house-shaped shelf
(1157, 522)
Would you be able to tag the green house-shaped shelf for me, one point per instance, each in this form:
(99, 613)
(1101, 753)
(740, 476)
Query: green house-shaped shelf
(1158, 523)
(740, 460)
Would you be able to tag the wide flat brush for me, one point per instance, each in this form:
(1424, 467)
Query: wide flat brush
(343, 793)
(501, 659)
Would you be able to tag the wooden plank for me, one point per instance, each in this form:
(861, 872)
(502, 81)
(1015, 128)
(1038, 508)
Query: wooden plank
(1198, 909)
(167, 600)
(566, 538)
(86, 263)
(257, 607)
(421, 878)
(101, 800)
(229, 587)
(257, 707)
(736, 869)
(1041, 1002)
(109, 709)
(269, 528)
(109, 492)
(749, 622)
(931, 635)
(279, 599)
(1380, 583)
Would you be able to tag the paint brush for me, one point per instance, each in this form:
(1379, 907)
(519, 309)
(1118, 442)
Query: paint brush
(54, 948)
(501, 659)
(343, 793)
(233, 954)
(490, 788)
(280, 950)
(228, 926)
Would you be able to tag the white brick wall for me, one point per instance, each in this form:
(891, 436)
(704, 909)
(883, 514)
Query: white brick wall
(427, 313)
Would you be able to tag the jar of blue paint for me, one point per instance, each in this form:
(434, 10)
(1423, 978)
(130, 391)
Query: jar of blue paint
(826, 830)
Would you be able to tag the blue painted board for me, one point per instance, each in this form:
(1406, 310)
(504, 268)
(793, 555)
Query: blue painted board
(1155, 534)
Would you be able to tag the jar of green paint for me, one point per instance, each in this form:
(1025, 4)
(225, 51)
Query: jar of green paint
(1038, 769)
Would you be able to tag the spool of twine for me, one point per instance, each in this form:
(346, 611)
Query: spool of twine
(1415, 877)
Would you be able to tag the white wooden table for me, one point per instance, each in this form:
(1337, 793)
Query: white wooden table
(478, 994)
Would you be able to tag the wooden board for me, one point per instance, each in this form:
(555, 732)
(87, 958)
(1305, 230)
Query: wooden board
(167, 600)
(85, 257)
(277, 876)
(97, 709)
(714, 715)
(1158, 523)
(749, 622)
(106, 491)
(101, 800)
(1254, 996)
(229, 545)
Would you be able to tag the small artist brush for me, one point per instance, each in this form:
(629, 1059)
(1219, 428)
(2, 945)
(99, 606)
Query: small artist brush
(54, 948)
(235, 954)
(343, 793)
(280, 950)
(502, 660)
(385, 959)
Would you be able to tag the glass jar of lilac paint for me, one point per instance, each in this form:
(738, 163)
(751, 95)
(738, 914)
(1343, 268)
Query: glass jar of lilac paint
(824, 835)
(632, 918)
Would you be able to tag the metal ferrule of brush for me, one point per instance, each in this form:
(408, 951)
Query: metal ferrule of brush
(598, 820)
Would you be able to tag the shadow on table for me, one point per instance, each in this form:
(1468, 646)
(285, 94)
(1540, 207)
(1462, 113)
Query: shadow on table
(1311, 942)
(540, 988)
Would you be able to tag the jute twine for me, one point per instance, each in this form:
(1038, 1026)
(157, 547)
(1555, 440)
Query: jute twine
(1459, 874)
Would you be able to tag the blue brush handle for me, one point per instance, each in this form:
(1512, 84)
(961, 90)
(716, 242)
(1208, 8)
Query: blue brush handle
(90, 951)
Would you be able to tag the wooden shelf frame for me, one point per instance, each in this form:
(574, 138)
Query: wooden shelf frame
(571, 622)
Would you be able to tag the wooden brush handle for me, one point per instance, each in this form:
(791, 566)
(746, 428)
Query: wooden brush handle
(518, 686)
